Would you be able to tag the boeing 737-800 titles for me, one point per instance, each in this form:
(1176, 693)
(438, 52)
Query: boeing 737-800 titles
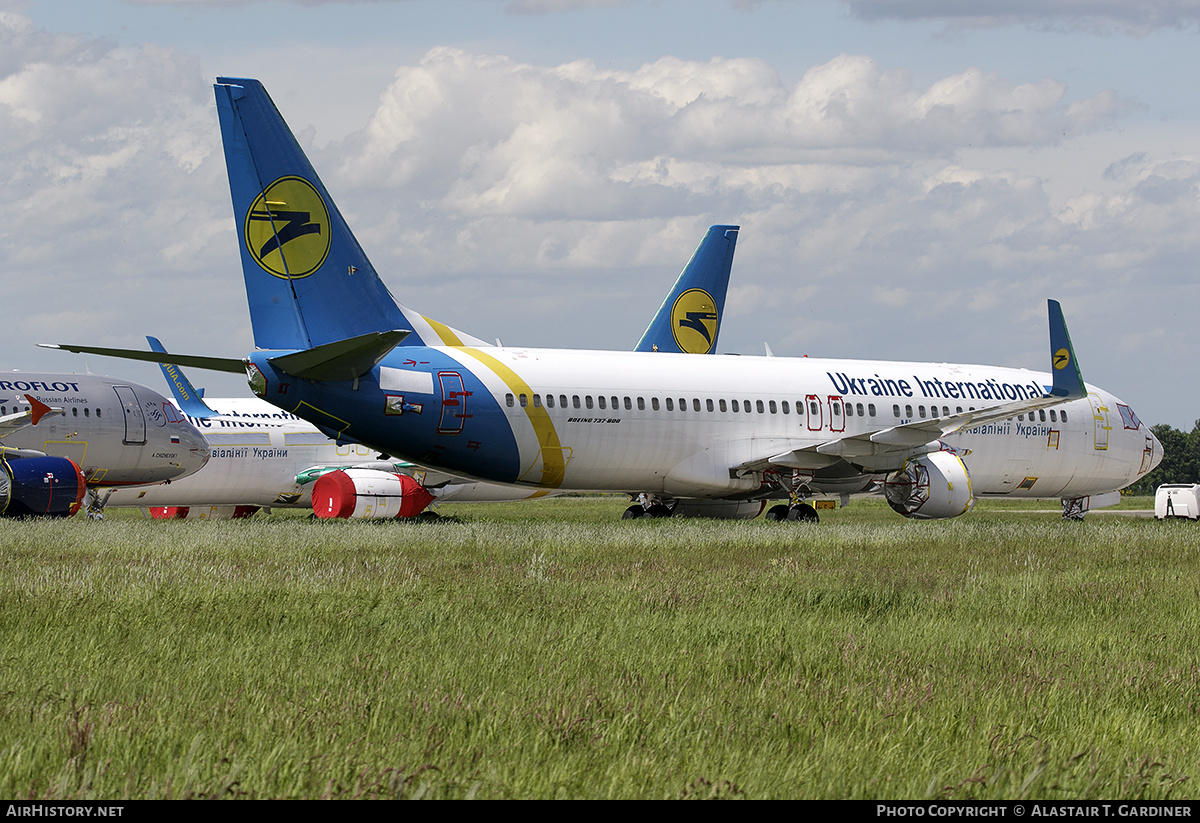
(336, 349)
(67, 433)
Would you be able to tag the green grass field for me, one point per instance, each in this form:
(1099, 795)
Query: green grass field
(548, 649)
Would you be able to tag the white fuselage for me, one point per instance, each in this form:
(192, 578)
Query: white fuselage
(665, 423)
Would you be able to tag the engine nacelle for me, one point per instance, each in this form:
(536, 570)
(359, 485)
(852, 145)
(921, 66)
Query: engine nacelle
(40, 486)
(930, 487)
(201, 512)
(364, 493)
(719, 509)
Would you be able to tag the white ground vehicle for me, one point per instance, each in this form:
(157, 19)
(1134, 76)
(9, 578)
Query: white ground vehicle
(1177, 500)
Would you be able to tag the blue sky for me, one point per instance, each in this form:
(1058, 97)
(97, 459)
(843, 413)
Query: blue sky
(913, 179)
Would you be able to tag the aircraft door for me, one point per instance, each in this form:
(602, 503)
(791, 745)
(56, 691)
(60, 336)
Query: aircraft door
(837, 413)
(135, 421)
(1099, 422)
(454, 403)
(812, 407)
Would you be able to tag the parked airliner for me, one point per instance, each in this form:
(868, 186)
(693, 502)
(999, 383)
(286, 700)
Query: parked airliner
(67, 433)
(336, 349)
(264, 458)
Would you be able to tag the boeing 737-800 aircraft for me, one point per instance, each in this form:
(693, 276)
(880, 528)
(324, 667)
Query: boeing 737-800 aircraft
(82, 432)
(336, 349)
(264, 458)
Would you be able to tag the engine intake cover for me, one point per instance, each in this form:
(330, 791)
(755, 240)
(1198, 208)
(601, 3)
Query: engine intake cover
(931, 487)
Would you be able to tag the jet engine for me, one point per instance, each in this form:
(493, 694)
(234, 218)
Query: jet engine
(930, 487)
(369, 494)
(40, 486)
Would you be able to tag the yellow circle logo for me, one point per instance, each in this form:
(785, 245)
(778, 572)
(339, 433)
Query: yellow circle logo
(287, 228)
(694, 321)
(1062, 358)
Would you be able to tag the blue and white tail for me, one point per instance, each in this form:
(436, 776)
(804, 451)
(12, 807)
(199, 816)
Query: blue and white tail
(308, 281)
(689, 320)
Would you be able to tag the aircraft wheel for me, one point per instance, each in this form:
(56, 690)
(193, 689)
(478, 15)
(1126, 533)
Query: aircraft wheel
(429, 515)
(804, 513)
(634, 512)
(777, 513)
(658, 510)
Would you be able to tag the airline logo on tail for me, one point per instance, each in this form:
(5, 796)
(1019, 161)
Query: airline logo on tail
(287, 229)
(694, 321)
(1062, 358)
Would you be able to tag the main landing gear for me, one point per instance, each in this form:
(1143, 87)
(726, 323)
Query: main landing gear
(798, 513)
(638, 511)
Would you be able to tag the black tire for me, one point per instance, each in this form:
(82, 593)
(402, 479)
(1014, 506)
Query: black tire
(777, 513)
(804, 513)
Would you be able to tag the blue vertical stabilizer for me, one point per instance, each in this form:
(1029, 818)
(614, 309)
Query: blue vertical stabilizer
(689, 320)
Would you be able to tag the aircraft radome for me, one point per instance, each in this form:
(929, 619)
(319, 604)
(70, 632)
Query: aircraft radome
(264, 458)
(67, 434)
(715, 435)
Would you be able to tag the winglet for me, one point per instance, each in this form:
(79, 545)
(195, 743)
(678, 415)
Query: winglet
(1068, 380)
(186, 396)
(38, 409)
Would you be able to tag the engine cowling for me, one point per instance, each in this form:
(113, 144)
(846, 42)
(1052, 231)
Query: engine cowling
(930, 487)
(373, 495)
(40, 486)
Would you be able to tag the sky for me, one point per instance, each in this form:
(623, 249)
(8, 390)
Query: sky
(913, 178)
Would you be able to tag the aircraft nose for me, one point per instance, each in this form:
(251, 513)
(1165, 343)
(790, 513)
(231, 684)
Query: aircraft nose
(194, 449)
(1156, 452)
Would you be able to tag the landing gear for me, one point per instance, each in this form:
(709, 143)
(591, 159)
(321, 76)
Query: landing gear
(646, 507)
(800, 513)
(95, 503)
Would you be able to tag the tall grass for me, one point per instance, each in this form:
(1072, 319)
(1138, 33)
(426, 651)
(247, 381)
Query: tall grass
(550, 650)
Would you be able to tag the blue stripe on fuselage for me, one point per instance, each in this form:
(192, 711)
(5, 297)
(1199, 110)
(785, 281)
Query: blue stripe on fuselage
(485, 448)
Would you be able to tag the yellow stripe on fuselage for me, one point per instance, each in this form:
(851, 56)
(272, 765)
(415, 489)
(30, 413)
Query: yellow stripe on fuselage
(551, 450)
(447, 335)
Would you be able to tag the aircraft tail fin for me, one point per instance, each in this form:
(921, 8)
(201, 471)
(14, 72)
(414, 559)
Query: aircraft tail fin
(689, 320)
(1064, 366)
(308, 281)
(188, 398)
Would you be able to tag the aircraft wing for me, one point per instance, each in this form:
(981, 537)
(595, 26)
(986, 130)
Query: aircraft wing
(898, 442)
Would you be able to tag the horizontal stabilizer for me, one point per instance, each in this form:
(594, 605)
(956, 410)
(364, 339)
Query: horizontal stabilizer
(187, 397)
(226, 364)
(342, 359)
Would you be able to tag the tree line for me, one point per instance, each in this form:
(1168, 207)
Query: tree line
(1181, 459)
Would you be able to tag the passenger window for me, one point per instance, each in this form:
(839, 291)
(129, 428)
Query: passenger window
(1064, 415)
(908, 412)
(709, 404)
(870, 409)
(746, 406)
(921, 411)
(587, 401)
(670, 404)
(1042, 414)
(837, 409)
(615, 404)
(523, 400)
(735, 406)
(628, 404)
(812, 407)
(896, 410)
(723, 405)
(771, 404)
(696, 403)
(786, 408)
(87, 412)
(575, 401)
(602, 400)
(641, 404)
(537, 401)
(510, 400)
(562, 401)
(549, 401)
(654, 403)
(1053, 416)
